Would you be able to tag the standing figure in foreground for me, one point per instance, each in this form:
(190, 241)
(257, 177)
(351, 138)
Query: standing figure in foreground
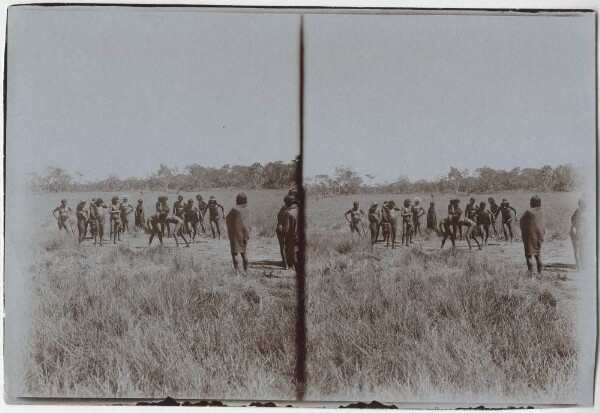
(508, 219)
(126, 208)
(407, 222)
(374, 220)
(140, 215)
(390, 214)
(63, 215)
(355, 218)
(115, 219)
(532, 233)
(238, 229)
(83, 217)
(417, 212)
(576, 233)
(432, 217)
(213, 211)
(97, 219)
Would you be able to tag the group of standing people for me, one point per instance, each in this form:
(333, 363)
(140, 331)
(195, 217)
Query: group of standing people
(183, 218)
(477, 221)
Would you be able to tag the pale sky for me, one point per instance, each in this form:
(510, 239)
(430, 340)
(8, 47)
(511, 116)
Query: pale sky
(121, 90)
(412, 95)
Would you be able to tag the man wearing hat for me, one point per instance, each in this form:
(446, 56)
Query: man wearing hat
(532, 233)
(213, 211)
(374, 221)
(238, 230)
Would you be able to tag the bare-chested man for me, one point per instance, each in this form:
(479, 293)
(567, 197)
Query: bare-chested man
(495, 210)
(508, 219)
(191, 217)
(63, 215)
(155, 228)
(390, 214)
(407, 222)
(140, 214)
(417, 212)
(83, 217)
(374, 222)
(354, 217)
(178, 207)
(125, 209)
(483, 218)
(577, 233)
(202, 206)
(178, 230)
(448, 231)
(97, 218)
(115, 220)
(454, 213)
(213, 212)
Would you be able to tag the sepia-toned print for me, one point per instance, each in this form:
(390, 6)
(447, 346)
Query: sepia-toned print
(154, 226)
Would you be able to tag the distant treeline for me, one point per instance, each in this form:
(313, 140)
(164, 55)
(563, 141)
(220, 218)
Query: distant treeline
(481, 180)
(272, 175)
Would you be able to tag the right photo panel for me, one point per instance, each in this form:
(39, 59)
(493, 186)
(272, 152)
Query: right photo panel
(449, 169)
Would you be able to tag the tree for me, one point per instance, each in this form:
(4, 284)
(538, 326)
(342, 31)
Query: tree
(348, 180)
(56, 179)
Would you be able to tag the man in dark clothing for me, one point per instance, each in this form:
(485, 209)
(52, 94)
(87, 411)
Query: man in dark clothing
(532, 233)
(238, 230)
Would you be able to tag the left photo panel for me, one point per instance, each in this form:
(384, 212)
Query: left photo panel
(152, 161)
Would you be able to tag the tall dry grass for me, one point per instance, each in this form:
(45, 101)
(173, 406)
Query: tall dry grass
(155, 323)
(407, 326)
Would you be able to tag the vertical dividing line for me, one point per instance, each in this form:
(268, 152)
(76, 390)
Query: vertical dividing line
(300, 371)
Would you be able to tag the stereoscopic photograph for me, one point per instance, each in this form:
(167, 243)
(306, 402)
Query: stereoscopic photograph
(310, 207)
(449, 167)
(149, 153)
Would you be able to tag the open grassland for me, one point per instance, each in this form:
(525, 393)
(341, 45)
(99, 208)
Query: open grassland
(128, 321)
(418, 324)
